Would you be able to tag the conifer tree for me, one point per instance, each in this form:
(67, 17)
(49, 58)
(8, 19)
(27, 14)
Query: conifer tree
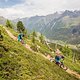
(41, 38)
(34, 35)
(20, 26)
(9, 24)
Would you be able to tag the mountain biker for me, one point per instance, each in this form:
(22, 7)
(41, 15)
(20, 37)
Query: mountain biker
(20, 38)
(58, 57)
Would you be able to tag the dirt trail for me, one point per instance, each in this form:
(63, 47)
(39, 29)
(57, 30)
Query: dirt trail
(48, 57)
(10, 34)
(15, 38)
(73, 73)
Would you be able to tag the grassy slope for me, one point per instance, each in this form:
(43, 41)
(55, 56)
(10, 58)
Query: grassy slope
(19, 63)
(44, 49)
(68, 61)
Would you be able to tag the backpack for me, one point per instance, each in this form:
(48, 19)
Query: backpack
(57, 58)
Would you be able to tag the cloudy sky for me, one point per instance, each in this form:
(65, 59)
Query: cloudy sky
(25, 8)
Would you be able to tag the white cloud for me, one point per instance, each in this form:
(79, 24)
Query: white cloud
(10, 13)
(38, 7)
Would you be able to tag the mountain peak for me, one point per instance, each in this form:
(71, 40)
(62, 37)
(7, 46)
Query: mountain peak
(69, 13)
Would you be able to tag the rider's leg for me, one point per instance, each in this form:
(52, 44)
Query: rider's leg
(58, 63)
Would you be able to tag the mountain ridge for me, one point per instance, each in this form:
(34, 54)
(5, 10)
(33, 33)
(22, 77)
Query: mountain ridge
(57, 26)
(62, 26)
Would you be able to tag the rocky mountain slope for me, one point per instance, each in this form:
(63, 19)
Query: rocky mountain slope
(63, 26)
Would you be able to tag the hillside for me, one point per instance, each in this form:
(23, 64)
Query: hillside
(63, 26)
(17, 63)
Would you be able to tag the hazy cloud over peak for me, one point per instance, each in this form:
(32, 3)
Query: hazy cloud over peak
(25, 8)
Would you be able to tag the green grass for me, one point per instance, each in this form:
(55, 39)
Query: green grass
(44, 49)
(73, 66)
(68, 60)
(18, 63)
